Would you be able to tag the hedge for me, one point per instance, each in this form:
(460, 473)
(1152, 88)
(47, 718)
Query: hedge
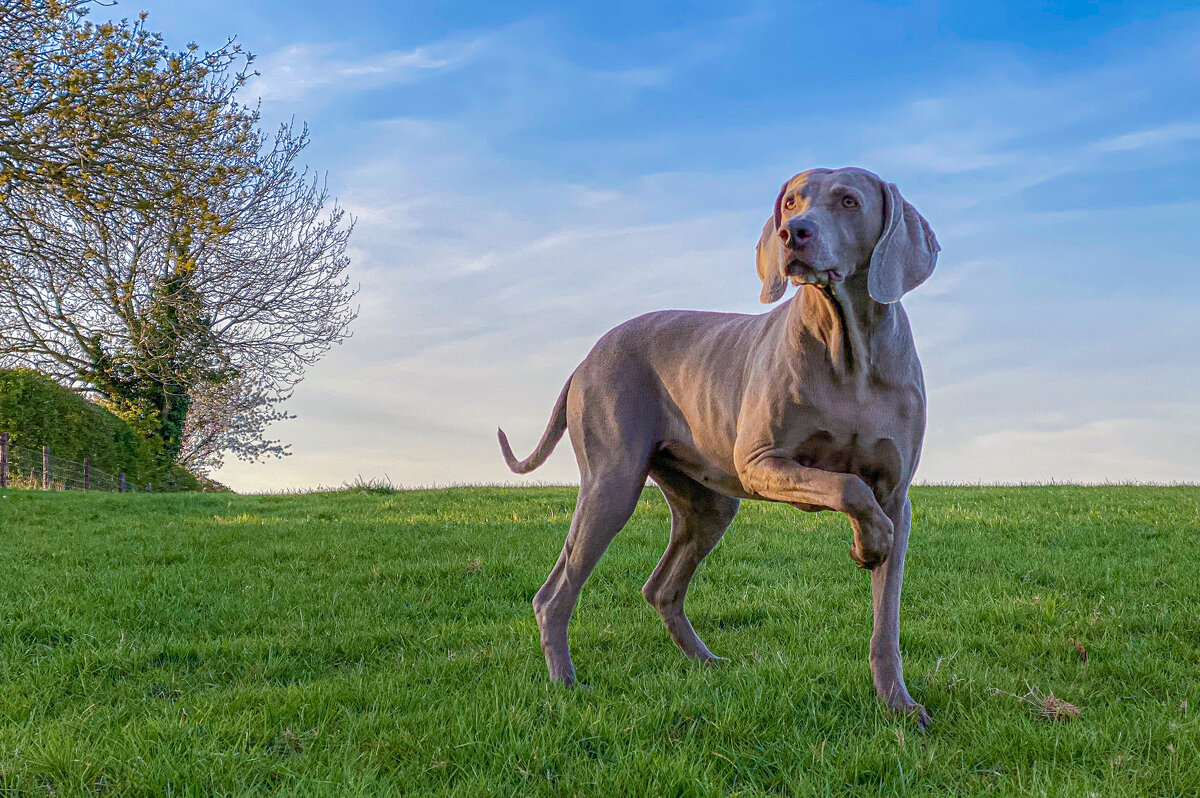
(35, 411)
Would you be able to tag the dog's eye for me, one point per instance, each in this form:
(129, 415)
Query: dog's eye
(789, 203)
(849, 202)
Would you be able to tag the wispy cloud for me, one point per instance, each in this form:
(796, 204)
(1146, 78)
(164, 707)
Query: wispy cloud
(300, 71)
(1151, 137)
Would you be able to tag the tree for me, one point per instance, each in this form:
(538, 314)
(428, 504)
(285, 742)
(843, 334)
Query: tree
(156, 248)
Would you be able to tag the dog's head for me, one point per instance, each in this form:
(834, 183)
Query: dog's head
(831, 223)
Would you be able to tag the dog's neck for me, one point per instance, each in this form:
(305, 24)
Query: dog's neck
(843, 319)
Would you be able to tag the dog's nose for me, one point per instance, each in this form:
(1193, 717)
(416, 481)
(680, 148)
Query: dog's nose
(797, 232)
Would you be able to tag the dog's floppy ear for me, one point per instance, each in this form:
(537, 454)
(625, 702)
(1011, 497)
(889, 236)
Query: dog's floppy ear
(774, 283)
(906, 252)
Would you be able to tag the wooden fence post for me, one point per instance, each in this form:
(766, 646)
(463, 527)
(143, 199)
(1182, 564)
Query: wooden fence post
(122, 488)
(3, 459)
(45, 468)
(87, 473)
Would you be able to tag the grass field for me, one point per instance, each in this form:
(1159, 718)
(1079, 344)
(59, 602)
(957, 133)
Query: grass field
(377, 643)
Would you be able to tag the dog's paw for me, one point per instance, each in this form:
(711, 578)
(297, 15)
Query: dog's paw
(868, 559)
(872, 544)
(914, 711)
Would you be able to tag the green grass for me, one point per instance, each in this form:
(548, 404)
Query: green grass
(373, 643)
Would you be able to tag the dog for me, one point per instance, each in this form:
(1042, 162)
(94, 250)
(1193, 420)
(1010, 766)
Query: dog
(819, 403)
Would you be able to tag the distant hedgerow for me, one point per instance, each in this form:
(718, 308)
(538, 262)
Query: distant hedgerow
(35, 411)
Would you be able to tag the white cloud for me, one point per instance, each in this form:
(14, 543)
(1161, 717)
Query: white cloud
(1107, 450)
(301, 71)
(1151, 137)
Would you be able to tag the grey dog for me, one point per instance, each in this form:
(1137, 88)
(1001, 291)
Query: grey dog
(819, 403)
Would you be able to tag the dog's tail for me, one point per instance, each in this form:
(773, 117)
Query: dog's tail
(550, 438)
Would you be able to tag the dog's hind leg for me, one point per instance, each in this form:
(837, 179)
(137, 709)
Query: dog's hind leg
(699, 517)
(605, 505)
(612, 417)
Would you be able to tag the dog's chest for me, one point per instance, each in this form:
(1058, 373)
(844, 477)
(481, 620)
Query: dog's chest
(874, 435)
(878, 462)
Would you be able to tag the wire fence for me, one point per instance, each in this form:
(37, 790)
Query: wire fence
(31, 469)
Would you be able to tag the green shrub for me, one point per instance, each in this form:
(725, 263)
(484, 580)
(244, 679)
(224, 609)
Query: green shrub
(35, 411)
(179, 478)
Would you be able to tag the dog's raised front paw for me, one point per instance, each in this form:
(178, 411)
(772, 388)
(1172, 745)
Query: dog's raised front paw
(869, 559)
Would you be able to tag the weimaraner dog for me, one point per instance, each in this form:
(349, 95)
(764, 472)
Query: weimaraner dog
(819, 403)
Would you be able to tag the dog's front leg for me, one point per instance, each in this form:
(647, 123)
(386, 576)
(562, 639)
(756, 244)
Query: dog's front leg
(886, 669)
(783, 480)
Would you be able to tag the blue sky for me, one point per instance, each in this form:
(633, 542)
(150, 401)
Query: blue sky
(527, 176)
